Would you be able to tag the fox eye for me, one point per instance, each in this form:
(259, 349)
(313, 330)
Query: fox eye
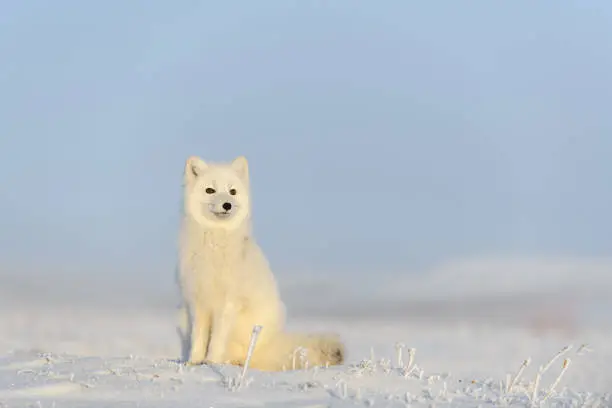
(232, 191)
(210, 190)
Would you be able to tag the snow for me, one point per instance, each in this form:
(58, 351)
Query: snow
(91, 357)
(465, 341)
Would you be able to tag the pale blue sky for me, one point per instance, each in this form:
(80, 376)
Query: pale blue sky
(383, 136)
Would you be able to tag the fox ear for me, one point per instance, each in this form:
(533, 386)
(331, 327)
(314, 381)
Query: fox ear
(241, 166)
(194, 167)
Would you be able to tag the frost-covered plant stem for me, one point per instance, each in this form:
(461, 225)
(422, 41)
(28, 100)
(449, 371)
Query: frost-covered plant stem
(299, 351)
(411, 353)
(555, 358)
(518, 374)
(252, 343)
(399, 347)
(566, 364)
(545, 368)
(536, 384)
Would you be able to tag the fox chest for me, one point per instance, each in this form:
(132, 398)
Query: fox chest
(220, 275)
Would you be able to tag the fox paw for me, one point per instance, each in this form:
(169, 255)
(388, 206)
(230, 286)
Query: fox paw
(195, 362)
(209, 362)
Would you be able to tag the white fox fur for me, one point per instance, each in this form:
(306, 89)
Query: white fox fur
(226, 283)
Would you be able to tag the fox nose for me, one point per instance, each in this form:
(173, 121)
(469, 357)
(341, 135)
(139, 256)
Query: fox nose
(227, 206)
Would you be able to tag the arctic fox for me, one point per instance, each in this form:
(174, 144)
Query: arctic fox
(226, 284)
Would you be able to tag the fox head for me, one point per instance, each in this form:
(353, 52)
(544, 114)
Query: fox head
(217, 195)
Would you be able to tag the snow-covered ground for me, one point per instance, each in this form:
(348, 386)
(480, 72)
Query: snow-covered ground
(468, 347)
(96, 358)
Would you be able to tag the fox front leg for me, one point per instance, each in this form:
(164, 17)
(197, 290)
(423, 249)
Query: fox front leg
(222, 322)
(200, 336)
